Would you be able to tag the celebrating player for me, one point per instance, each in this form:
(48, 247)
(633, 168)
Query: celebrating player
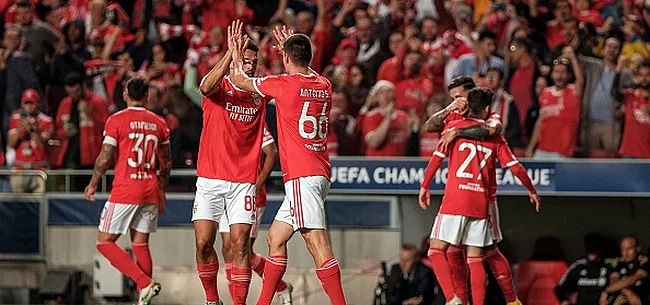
(459, 87)
(463, 215)
(257, 262)
(303, 106)
(136, 136)
(228, 162)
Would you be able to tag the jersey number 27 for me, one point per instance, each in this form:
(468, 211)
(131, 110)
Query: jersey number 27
(461, 173)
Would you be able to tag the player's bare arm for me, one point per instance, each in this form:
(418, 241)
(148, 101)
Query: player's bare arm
(436, 123)
(570, 54)
(270, 159)
(165, 166)
(237, 43)
(211, 81)
(102, 163)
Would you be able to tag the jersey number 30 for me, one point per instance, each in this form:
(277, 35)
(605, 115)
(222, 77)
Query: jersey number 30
(320, 124)
(461, 173)
(145, 145)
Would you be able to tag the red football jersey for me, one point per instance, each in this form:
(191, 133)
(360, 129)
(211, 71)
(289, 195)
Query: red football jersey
(137, 134)
(560, 115)
(260, 199)
(28, 154)
(636, 136)
(303, 105)
(233, 122)
(471, 182)
(398, 133)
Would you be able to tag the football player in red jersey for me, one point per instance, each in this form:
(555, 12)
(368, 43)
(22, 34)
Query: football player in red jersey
(229, 157)
(303, 101)
(463, 216)
(257, 261)
(140, 140)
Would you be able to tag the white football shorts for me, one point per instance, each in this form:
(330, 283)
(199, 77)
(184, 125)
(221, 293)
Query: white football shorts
(461, 230)
(304, 202)
(215, 197)
(118, 218)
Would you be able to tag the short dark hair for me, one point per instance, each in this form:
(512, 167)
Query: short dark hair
(495, 69)
(486, 35)
(409, 247)
(462, 81)
(24, 4)
(137, 88)
(594, 243)
(427, 18)
(298, 48)
(479, 98)
(73, 78)
(252, 46)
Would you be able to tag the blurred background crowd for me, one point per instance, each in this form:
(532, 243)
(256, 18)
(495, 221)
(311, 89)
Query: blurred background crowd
(571, 76)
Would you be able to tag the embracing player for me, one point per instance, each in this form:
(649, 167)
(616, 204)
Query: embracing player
(463, 218)
(257, 261)
(229, 157)
(458, 88)
(303, 101)
(140, 140)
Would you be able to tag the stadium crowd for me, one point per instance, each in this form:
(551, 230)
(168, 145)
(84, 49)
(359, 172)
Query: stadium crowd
(571, 77)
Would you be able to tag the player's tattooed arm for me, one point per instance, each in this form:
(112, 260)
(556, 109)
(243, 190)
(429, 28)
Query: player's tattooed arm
(165, 166)
(436, 123)
(102, 163)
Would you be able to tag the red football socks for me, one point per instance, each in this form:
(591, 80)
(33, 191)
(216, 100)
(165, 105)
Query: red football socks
(124, 263)
(143, 257)
(274, 269)
(501, 269)
(458, 265)
(257, 263)
(442, 272)
(241, 281)
(228, 267)
(329, 275)
(477, 278)
(208, 276)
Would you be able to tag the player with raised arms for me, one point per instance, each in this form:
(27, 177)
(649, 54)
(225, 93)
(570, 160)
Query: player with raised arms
(227, 169)
(463, 218)
(303, 101)
(140, 140)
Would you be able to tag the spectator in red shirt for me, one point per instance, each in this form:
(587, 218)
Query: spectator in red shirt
(556, 131)
(385, 130)
(430, 32)
(636, 111)
(554, 28)
(429, 140)
(29, 132)
(212, 53)
(521, 79)
(539, 275)
(583, 12)
(342, 135)
(79, 125)
(395, 40)
(413, 92)
(346, 57)
(505, 106)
